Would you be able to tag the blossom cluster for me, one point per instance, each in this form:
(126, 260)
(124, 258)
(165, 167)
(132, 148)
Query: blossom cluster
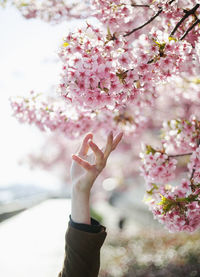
(177, 207)
(101, 69)
(180, 135)
(55, 115)
(47, 115)
(94, 69)
(104, 70)
(54, 11)
(120, 16)
(124, 17)
(194, 167)
(157, 166)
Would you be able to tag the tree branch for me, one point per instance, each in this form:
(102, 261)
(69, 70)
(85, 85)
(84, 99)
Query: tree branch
(194, 168)
(179, 155)
(149, 21)
(187, 14)
(140, 6)
(146, 23)
(191, 27)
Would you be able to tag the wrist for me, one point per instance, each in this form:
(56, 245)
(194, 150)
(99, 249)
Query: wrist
(82, 186)
(80, 212)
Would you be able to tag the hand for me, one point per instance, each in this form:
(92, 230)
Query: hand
(85, 169)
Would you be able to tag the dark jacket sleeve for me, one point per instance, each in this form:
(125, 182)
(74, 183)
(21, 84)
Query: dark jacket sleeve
(82, 252)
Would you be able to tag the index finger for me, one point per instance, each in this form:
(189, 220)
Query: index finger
(117, 140)
(84, 147)
(108, 145)
(87, 166)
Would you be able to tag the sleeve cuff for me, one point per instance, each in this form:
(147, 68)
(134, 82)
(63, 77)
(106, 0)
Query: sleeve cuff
(94, 227)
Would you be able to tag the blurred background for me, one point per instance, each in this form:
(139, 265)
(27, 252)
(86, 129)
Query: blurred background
(34, 178)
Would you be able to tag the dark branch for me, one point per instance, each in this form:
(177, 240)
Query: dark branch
(170, 2)
(193, 171)
(191, 27)
(179, 155)
(133, 4)
(146, 23)
(187, 14)
(149, 21)
(140, 6)
(194, 168)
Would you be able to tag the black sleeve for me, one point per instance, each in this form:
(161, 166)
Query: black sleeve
(94, 227)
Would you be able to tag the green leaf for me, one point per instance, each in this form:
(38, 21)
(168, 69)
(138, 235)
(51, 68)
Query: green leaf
(153, 188)
(172, 38)
(150, 149)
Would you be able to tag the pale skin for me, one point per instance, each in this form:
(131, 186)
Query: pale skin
(84, 172)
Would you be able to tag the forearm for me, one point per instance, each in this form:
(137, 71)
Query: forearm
(80, 205)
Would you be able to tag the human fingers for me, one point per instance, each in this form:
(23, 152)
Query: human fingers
(98, 153)
(108, 148)
(117, 140)
(84, 147)
(87, 166)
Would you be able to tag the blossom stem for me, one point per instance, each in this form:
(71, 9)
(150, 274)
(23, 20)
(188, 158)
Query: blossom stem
(142, 6)
(180, 155)
(194, 168)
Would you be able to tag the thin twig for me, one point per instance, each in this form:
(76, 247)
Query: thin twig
(146, 23)
(140, 6)
(179, 155)
(193, 171)
(194, 168)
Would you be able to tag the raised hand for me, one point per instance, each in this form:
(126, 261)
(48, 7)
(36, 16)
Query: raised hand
(85, 169)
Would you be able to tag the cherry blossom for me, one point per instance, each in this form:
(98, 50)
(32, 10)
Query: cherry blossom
(55, 115)
(194, 167)
(176, 206)
(180, 136)
(54, 11)
(157, 166)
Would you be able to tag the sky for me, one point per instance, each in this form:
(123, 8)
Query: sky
(28, 61)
